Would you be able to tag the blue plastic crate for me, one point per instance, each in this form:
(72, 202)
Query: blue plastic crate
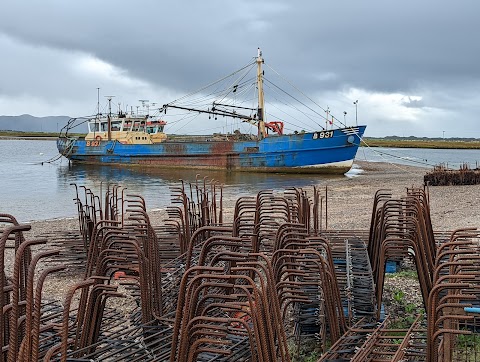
(391, 267)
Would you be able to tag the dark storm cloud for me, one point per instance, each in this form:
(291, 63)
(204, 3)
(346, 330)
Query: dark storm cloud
(416, 48)
(382, 45)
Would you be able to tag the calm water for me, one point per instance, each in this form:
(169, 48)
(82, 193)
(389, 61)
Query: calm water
(32, 191)
(420, 156)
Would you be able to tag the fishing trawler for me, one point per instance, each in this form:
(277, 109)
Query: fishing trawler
(140, 139)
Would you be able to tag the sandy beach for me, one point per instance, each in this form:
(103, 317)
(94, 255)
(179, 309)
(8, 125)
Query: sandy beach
(350, 200)
(452, 207)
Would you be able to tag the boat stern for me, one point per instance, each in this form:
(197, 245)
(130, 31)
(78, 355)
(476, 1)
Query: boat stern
(65, 146)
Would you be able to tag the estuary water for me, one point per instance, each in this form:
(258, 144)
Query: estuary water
(422, 157)
(31, 189)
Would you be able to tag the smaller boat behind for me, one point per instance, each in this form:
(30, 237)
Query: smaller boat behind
(140, 139)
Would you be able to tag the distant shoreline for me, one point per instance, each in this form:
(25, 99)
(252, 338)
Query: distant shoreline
(432, 143)
(39, 138)
(422, 143)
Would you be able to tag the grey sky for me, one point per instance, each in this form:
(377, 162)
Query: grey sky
(413, 65)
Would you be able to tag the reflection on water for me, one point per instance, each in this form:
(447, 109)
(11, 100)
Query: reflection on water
(32, 191)
(154, 184)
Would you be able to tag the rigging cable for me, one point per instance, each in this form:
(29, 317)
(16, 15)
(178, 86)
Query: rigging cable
(314, 111)
(209, 85)
(70, 125)
(391, 155)
(382, 153)
(290, 116)
(298, 90)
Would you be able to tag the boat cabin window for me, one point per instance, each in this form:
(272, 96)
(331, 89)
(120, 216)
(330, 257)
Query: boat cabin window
(151, 129)
(93, 127)
(98, 126)
(139, 126)
(116, 125)
(154, 127)
(127, 126)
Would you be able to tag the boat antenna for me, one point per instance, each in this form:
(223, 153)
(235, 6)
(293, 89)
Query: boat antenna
(97, 117)
(261, 102)
(109, 118)
(109, 104)
(98, 102)
(145, 102)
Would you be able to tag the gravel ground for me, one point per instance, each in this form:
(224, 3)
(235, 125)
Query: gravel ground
(451, 206)
(350, 202)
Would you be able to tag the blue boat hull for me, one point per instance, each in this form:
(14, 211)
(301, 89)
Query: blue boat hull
(317, 152)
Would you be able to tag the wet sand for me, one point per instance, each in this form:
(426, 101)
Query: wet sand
(350, 200)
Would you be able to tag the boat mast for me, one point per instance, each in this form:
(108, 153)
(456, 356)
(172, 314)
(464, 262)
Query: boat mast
(109, 118)
(261, 103)
(97, 117)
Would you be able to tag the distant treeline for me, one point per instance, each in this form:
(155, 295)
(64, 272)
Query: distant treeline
(20, 134)
(422, 142)
(414, 138)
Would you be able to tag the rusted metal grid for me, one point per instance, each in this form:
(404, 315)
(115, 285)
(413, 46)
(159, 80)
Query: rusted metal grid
(441, 175)
(33, 329)
(122, 250)
(378, 342)
(402, 228)
(454, 301)
(242, 291)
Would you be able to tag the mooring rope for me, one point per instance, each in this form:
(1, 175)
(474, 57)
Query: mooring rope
(51, 160)
(67, 151)
(396, 165)
(381, 154)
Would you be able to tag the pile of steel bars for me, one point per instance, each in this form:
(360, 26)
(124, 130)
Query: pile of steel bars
(402, 228)
(455, 293)
(264, 287)
(378, 342)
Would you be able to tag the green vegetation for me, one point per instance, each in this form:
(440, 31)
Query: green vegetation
(409, 274)
(409, 309)
(467, 347)
(403, 313)
(312, 357)
(27, 134)
(402, 308)
(413, 142)
(398, 296)
(309, 350)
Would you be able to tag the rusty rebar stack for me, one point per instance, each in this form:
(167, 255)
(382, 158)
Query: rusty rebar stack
(441, 175)
(258, 289)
